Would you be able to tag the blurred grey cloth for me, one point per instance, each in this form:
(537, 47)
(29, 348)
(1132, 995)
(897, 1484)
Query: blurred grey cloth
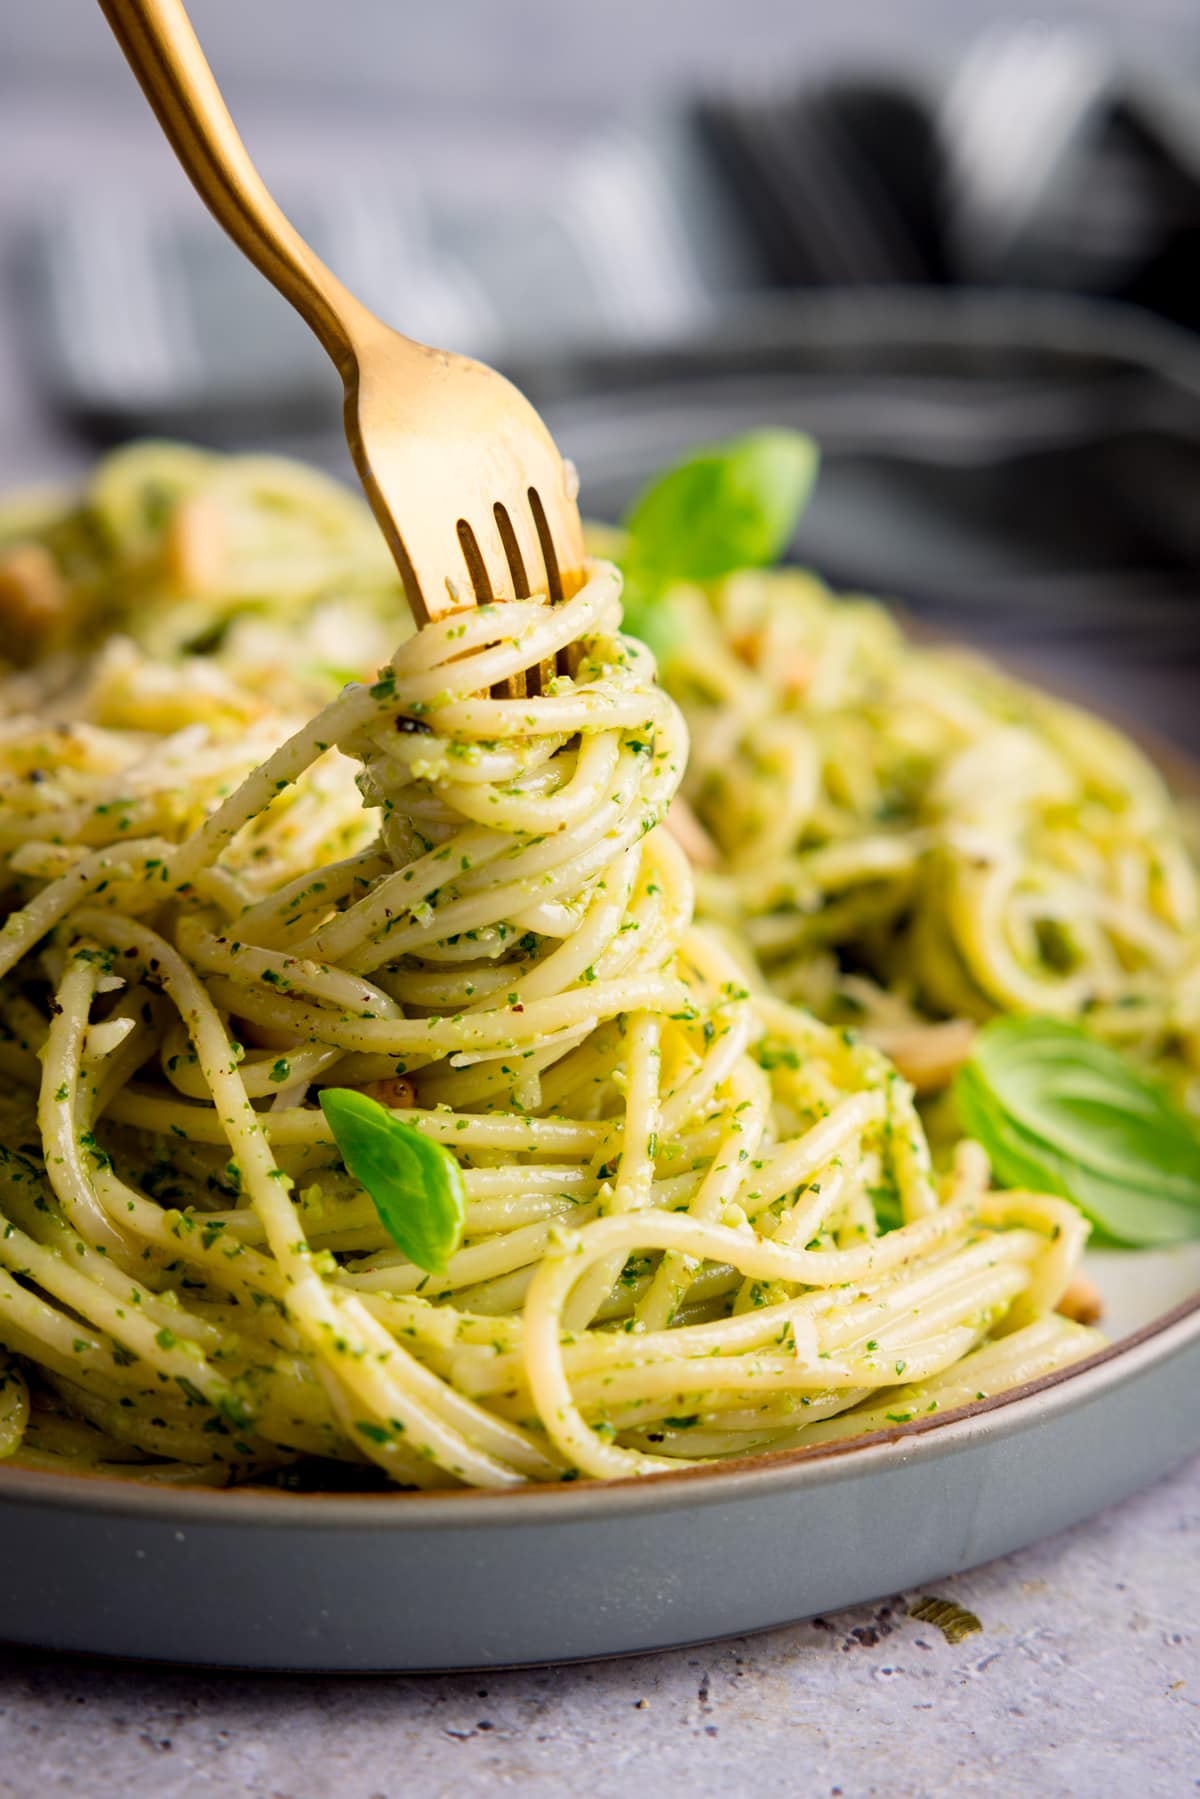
(146, 317)
(1040, 163)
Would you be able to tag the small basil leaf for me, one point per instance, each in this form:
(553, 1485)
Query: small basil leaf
(416, 1184)
(1055, 1109)
(734, 505)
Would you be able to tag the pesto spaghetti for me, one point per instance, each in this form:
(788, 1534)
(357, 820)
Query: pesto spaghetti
(695, 1221)
(912, 841)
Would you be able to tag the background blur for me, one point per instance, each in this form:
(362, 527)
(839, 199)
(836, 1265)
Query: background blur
(959, 242)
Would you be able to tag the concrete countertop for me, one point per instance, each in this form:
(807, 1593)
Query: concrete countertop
(1085, 1679)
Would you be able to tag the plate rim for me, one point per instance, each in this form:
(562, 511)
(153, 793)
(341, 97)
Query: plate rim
(707, 1483)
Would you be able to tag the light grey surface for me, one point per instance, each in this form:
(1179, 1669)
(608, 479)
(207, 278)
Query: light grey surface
(1084, 1681)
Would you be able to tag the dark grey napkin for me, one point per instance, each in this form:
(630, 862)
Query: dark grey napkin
(1042, 163)
(1021, 470)
(1030, 463)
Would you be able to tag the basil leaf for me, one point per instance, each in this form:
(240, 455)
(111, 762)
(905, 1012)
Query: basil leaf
(416, 1184)
(1091, 1102)
(1055, 1109)
(1121, 1212)
(734, 505)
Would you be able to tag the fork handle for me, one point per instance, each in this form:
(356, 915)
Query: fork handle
(163, 51)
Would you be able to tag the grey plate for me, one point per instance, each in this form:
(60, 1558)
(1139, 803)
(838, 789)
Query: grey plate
(465, 1580)
(265, 1579)
(275, 1580)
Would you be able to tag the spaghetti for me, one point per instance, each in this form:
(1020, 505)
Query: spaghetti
(911, 841)
(700, 1222)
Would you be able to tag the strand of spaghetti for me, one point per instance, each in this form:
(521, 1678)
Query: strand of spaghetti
(281, 1398)
(523, 808)
(285, 1408)
(912, 1164)
(738, 1393)
(638, 1150)
(214, 952)
(348, 712)
(563, 1266)
(501, 1030)
(115, 1049)
(583, 710)
(1028, 1354)
(730, 1379)
(31, 1327)
(45, 1227)
(733, 1031)
(590, 945)
(592, 609)
(221, 1255)
(906, 1295)
(68, 1348)
(596, 1351)
(511, 1135)
(506, 1444)
(296, 900)
(59, 1101)
(14, 1406)
(492, 1202)
(175, 1354)
(794, 1164)
(151, 1433)
(261, 1074)
(509, 647)
(24, 929)
(1066, 1231)
(969, 1292)
(505, 1254)
(801, 1219)
(747, 1107)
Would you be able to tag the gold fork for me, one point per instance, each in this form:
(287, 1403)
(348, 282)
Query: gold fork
(464, 479)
